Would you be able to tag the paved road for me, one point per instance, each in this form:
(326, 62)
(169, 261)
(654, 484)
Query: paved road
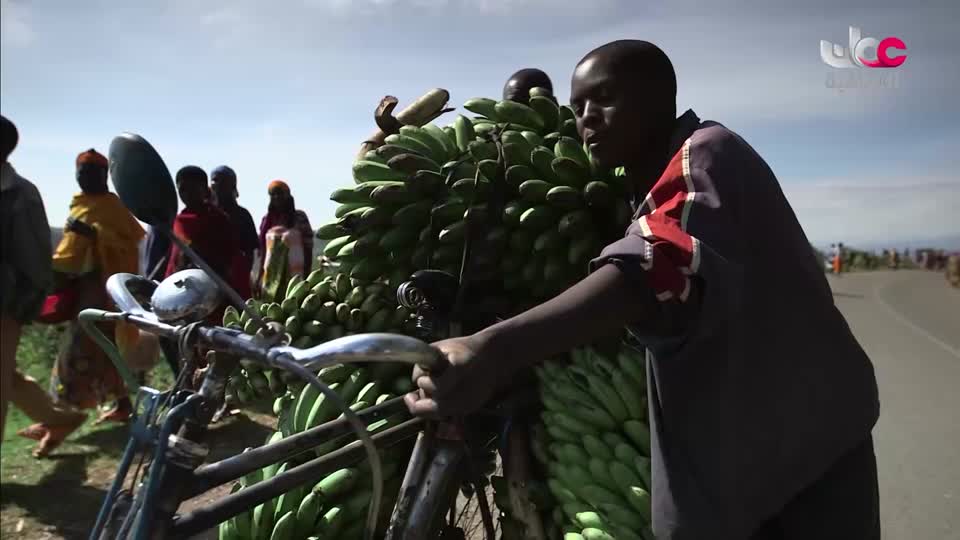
(909, 324)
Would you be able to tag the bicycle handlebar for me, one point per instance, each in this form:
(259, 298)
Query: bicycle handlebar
(374, 347)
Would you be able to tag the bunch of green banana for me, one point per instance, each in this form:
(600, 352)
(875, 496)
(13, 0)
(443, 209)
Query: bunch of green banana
(335, 507)
(595, 445)
(416, 196)
(316, 309)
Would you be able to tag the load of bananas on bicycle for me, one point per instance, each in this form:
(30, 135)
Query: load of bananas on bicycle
(514, 187)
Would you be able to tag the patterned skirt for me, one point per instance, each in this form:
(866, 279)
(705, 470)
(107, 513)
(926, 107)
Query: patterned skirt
(83, 375)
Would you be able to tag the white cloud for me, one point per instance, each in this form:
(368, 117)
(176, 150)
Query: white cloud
(15, 27)
(872, 210)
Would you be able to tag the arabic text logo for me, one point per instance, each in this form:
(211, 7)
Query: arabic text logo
(888, 52)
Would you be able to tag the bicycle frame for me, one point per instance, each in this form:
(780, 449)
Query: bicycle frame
(177, 471)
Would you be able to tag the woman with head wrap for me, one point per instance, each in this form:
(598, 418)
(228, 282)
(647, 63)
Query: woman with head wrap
(224, 187)
(285, 226)
(101, 238)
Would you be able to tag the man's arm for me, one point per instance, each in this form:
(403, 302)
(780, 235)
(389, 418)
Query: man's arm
(598, 306)
(34, 252)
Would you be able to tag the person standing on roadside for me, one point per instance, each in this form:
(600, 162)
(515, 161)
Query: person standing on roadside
(100, 238)
(26, 277)
(201, 225)
(223, 182)
(286, 226)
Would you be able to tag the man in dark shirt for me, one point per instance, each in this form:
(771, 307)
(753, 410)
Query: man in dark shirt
(223, 183)
(761, 400)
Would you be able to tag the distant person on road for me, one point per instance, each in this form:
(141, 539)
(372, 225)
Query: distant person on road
(519, 84)
(26, 277)
(224, 186)
(838, 258)
(101, 238)
(761, 401)
(285, 232)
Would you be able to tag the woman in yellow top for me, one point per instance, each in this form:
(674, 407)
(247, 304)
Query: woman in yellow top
(101, 238)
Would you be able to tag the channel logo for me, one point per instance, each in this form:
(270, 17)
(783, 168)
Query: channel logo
(889, 52)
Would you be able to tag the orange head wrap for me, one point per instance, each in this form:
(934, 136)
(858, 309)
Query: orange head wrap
(278, 184)
(92, 157)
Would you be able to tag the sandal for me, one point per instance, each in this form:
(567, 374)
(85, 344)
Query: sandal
(55, 435)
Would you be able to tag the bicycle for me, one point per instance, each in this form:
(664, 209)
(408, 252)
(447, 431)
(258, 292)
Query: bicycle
(171, 426)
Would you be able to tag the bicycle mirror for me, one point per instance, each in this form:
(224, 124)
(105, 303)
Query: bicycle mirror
(142, 180)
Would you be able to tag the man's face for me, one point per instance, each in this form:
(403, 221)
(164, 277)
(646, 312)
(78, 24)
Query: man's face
(224, 188)
(614, 117)
(192, 192)
(92, 178)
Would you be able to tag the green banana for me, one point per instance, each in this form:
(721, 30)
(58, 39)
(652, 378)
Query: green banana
(448, 143)
(625, 453)
(409, 164)
(595, 534)
(639, 434)
(589, 519)
(623, 518)
(435, 148)
(307, 514)
(535, 191)
(623, 475)
(336, 484)
(538, 218)
(642, 466)
(464, 131)
(569, 148)
(371, 171)
(598, 495)
(228, 531)
(425, 183)
(560, 492)
(601, 474)
(518, 113)
(547, 110)
(564, 197)
(569, 172)
(288, 504)
(333, 247)
(387, 151)
(633, 365)
(331, 523)
(412, 145)
(329, 231)
(283, 530)
(483, 106)
(595, 447)
(482, 150)
(308, 396)
(518, 174)
(639, 499)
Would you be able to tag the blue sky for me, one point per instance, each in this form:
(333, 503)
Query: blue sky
(287, 89)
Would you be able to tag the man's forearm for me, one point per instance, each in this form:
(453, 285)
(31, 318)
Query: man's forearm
(596, 307)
